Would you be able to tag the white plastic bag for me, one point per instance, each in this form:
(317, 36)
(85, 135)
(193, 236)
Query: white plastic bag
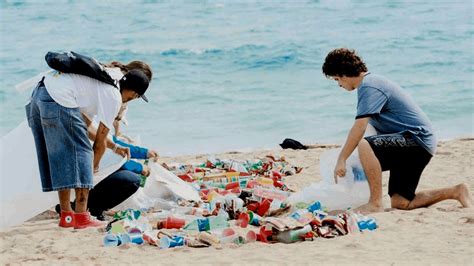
(21, 195)
(162, 190)
(348, 193)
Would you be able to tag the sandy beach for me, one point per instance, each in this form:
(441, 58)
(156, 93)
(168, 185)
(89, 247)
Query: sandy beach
(440, 234)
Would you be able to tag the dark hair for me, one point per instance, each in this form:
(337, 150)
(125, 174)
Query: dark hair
(133, 65)
(343, 62)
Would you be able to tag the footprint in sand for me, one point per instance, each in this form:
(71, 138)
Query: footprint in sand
(466, 220)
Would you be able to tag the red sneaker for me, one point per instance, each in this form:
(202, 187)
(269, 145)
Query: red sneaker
(84, 220)
(67, 219)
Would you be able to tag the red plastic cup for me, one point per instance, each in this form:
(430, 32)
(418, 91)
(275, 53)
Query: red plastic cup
(264, 206)
(277, 183)
(173, 223)
(264, 234)
(224, 192)
(228, 232)
(205, 191)
(251, 236)
(253, 206)
(236, 190)
(232, 185)
(186, 177)
(251, 184)
(276, 174)
(243, 220)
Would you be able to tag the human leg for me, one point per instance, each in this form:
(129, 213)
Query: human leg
(373, 171)
(81, 199)
(113, 190)
(427, 198)
(64, 198)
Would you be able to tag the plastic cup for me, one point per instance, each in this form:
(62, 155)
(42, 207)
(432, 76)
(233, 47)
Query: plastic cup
(235, 190)
(211, 195)
(174, 223)
(124, 239)
(314, 207)
(251, 236)
(254, 219)
(263, 208)
(243, 220)
(264, 234)
(228, 236)
(253, 206)
(251, 184)
(176, 241)
(136, 238)
(110, 240)
(276, 174)
(232, 185)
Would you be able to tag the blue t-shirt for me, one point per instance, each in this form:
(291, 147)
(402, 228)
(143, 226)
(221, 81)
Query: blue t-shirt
(392, 111)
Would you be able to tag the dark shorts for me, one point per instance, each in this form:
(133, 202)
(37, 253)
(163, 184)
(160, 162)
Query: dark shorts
(404, 158)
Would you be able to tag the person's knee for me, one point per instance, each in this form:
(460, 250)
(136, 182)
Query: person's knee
(363, 146)
(399, 202)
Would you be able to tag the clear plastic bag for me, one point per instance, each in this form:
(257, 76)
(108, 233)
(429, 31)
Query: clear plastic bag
(350, 192)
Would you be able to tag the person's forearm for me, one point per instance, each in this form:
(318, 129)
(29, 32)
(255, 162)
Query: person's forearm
(100, 143)
(91, 131)
(355, 135)
(99, 150)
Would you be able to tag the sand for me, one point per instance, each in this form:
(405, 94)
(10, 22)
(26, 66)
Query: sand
(440, 234)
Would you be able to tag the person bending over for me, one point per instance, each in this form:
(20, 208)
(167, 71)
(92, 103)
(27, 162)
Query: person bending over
(404, 143)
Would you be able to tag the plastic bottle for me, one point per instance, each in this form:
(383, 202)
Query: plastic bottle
(291, 236)
(142, 180)
(366, 223)
(303, 215)
(359, 174)
(208, 223)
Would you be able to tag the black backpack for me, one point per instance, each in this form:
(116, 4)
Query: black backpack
(71, 62)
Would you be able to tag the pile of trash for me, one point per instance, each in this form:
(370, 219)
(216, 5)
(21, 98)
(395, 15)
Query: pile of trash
(240, 202)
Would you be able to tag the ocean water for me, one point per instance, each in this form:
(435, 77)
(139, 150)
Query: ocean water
(233, 75)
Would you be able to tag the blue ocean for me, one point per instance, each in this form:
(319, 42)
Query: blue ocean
(237, 75)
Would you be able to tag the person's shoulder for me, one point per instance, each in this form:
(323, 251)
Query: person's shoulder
(380, 83)
(373, 80)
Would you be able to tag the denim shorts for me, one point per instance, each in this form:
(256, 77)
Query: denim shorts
(62, 144)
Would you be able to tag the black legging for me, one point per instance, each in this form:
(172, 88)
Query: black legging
(112, 191)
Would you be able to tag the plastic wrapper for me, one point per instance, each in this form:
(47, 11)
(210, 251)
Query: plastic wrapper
(351, 191)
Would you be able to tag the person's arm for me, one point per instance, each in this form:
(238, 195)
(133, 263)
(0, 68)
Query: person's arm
(353, 139)
(100, 143)
(138, 152)
(92, 132)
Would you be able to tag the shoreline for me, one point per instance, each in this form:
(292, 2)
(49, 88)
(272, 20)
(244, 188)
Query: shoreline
(278, 148)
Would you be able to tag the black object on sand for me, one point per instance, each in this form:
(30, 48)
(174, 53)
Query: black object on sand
(293, 144)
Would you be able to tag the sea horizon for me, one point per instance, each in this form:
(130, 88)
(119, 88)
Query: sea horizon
(246, 75)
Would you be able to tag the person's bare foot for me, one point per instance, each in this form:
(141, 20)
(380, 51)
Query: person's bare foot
(369, 208)
(464, 197)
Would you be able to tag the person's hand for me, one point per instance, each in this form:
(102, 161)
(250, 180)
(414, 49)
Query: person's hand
(123, 151)
(146, 171)
(153, 155)
(340, 169)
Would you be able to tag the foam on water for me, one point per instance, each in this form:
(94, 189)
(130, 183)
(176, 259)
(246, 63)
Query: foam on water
(235, 75)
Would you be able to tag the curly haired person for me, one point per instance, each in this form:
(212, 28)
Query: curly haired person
(404, 144)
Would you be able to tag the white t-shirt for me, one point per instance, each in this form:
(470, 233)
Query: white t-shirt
(95, 99)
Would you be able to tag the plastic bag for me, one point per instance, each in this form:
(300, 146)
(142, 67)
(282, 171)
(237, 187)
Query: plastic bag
(162, 190)
(350, 192)
(21, 195)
